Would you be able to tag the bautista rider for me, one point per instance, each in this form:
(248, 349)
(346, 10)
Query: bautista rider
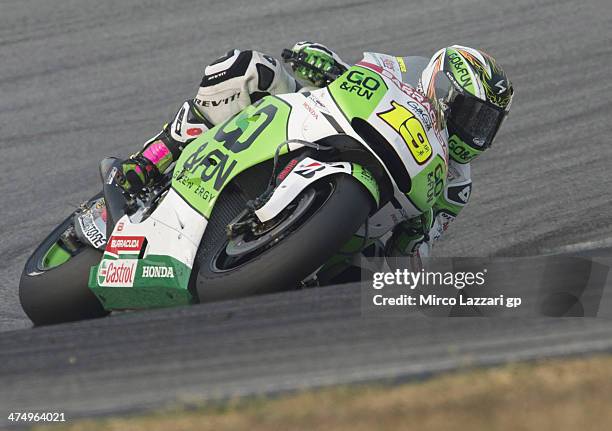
(466, 85)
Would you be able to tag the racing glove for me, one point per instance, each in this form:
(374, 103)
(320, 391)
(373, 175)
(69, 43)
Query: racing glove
(315, 63)
(144, 168)
(136, 173)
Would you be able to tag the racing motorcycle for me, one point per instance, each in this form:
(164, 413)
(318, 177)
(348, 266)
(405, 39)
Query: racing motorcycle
(275, 198)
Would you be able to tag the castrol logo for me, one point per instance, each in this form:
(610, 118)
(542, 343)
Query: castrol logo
(117, 273)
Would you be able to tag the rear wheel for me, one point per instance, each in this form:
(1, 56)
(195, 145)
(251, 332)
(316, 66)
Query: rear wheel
(279, 255)
(53, 286)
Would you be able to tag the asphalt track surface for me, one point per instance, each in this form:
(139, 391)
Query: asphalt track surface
(80, 80)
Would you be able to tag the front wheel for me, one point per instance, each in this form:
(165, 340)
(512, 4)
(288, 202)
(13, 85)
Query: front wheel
(320, 221)
(53, 286)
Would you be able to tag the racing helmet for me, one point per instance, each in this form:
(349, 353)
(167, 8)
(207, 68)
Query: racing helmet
(472, 93)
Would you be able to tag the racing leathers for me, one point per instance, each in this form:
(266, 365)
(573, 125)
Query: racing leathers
(241, 78)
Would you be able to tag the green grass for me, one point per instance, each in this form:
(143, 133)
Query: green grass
(563, 394)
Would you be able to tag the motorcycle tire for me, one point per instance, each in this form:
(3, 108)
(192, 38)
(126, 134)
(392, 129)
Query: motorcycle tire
(58, 294)
(342, 206)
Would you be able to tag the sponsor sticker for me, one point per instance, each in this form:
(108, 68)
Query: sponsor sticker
(111, 175)
(287, 170)
(117, 273)
(460, 194)
(309, 170)
(420, 111)
(318, 103)
(213, 103)
(125, 244)
(401, 63)
(194, 131)
(446, 219)
(460, 70)
(405, 123)
(90, 229)
(361, 84)
(149, 271)
(311, 110)
(388, 64)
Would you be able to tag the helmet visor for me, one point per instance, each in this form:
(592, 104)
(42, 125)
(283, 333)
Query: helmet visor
(476, 118)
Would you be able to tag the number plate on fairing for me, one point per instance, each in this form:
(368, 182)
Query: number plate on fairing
(91, 224)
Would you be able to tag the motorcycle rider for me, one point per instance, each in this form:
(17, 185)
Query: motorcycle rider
(467, 86)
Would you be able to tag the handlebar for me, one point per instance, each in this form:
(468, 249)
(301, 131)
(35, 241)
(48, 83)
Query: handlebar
(119, 202)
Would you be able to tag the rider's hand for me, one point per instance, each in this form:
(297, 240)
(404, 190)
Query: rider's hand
(136, 173)
(322, 60)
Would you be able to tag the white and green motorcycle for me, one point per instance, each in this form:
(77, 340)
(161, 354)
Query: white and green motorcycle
(264, 202)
